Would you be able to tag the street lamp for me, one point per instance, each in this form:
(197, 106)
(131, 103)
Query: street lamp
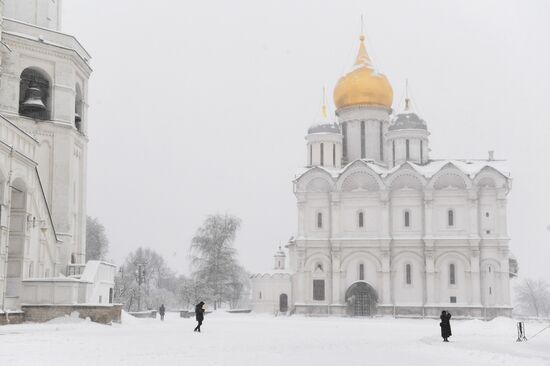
(140, 278)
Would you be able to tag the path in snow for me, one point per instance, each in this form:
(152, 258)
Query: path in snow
(244, 339)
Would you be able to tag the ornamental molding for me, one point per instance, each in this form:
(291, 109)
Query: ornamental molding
(20, 43)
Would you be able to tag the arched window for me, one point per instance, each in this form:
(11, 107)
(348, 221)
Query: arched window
(31, 270)
(34, 94)
(361, 219)
(319, 220)
(408, 275)
(361, 272)
(322, 154)
(260, 295)
(452, 274)
(78, 108)
(451, 218)
(407, 219)
(333, 154)
(408, 151)
(310, 154)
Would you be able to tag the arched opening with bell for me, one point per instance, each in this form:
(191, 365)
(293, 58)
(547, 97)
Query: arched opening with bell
(361, 299)
(35, 94)
(78, 108)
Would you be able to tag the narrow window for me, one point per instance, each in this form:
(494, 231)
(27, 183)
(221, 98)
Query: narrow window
(407, 149)
(408, 274)
(310, 155)
(381, 142)
(407, 219)
(452, 277)
(319, 220)
(363, 148)
(490, 290)
(319, 290)
(361, 272)
(489, 269)
(453, 299)
(333, 154)
(260, 295)
(421, 152)
(344, 141)
(361, 219)
(451, 218)
(322, 154)
(393, 151)
(486, 214)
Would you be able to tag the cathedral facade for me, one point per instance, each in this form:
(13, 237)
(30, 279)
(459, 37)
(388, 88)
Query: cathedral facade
(382, 228)
(43, 162)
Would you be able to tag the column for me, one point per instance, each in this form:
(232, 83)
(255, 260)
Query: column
(429, 248)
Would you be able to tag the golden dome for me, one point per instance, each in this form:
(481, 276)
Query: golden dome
(363, 85)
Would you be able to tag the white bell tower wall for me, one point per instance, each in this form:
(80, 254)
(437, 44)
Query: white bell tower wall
(42, 13)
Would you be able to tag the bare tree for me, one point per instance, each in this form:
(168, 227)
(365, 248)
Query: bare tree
(97, 244)
(533, 297)
(145, 280)
(214, 258)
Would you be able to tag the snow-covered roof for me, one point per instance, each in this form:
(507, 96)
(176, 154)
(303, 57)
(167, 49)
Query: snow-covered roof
(408, 120)
(470, 167)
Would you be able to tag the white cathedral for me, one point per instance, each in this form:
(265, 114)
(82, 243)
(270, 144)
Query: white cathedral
(382, 228)
(43, 163)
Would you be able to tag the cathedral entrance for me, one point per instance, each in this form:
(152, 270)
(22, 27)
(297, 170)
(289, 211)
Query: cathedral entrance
(283, 303)
(361, 299)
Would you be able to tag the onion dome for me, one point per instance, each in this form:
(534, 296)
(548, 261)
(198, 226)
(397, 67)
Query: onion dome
(364, 85)
(407, 120)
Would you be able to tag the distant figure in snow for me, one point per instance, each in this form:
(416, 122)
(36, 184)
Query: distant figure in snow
(162, 310)
(199, 315)
(445, 325)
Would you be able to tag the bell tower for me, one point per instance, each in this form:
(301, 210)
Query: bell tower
(44, 77)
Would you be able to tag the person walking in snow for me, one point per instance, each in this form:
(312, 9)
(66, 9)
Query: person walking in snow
(162, 310)
(445, 325)
(199, 315)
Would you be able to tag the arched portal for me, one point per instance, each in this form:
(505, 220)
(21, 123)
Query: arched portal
(283, 303)
(361, 299)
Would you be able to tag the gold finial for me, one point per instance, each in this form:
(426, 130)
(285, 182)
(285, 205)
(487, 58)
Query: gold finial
(362, 36)
(407, 99)
(324, 107)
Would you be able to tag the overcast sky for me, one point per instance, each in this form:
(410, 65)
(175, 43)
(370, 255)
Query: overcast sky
(200, 107)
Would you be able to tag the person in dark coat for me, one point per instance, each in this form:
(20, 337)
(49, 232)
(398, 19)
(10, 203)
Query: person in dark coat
(445, 325)
(162, 310)
(199, 315)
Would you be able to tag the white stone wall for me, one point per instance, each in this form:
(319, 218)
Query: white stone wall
(42, 13)
(62, 148)
(430, 243)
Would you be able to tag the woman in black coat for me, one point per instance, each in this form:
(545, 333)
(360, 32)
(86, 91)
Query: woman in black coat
(199, 315)
(162, 311)
(445, 325)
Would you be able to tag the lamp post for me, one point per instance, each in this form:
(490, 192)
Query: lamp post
(140, 278)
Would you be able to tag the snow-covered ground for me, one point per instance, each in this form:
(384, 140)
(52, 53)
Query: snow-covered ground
(245, 339)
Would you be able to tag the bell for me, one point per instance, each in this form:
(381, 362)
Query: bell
(33, 100)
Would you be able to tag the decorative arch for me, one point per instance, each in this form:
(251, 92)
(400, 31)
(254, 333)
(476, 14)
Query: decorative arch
(359, 176)
(457, 256)
(405, 178)
(489, 177)
(317, 258)
(449, 176)
(358, 256)
(315, 180)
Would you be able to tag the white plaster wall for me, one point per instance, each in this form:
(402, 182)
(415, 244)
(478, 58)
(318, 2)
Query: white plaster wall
(43, 13)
